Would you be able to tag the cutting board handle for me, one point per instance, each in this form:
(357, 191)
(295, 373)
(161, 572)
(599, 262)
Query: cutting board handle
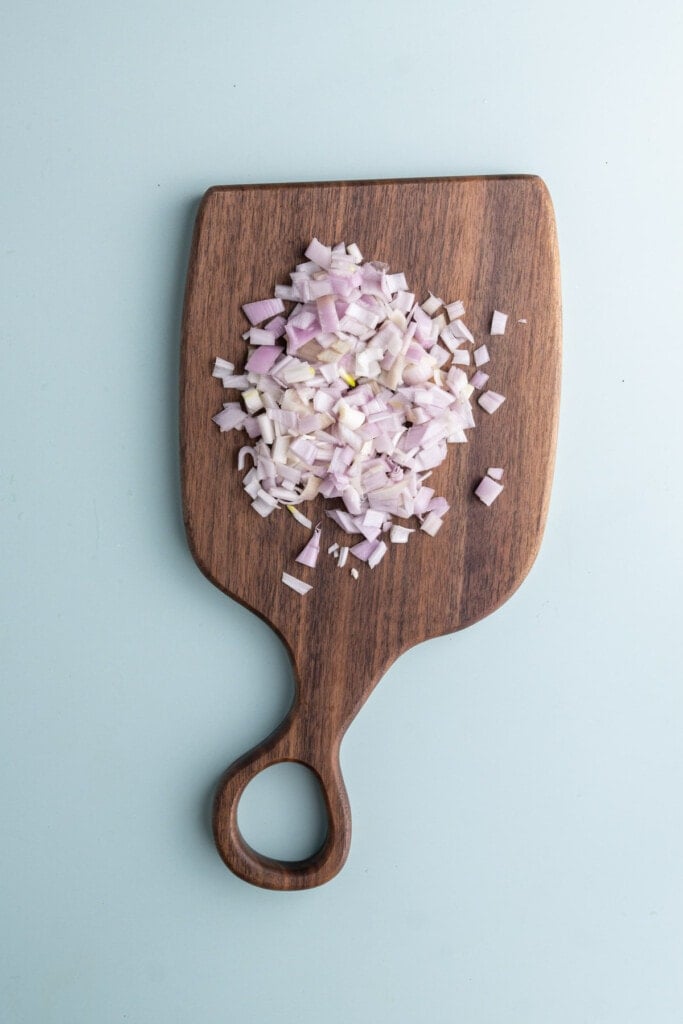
(290, 742)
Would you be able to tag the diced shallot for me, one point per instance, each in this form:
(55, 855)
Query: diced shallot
(490, 401)
(455, 310)
(461, 356)
(252, 400)
(231, 416)
(264, 309)
(262, 359)
(309, 553)
(481, 355)
(222, 369)
(399, 534)
(488, 490)
(378, 553)
(295, 584)
(319, 253)
(353, 394)
(363, 550)
(242, 455)
(432, 524)
(431, 305)
(498, 322)
(459, 330)
(479, 379)
(300, 517)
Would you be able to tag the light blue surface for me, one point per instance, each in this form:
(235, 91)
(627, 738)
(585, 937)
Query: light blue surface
(516, 789)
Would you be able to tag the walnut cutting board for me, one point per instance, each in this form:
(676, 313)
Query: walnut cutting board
(489, 241)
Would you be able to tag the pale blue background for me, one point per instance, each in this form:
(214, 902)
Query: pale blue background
(516, 789)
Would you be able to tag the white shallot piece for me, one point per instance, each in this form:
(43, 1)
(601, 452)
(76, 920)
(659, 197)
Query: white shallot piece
(498, 322)
(353, 393)
(295, 584)
(490, 401)
(488, 490)
(481, 356)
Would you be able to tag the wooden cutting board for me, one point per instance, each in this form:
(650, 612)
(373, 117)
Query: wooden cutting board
(489, 241)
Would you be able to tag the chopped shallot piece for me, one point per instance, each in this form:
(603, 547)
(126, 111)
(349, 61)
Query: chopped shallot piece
(461, 356)
(264, 309)
(223, 369)
(459, 330)
(363, 550)
(439, 506)
(495, 474)
(262, 359)
(276, 326)
(397, 282)
(252, 400)
(263, 507)
(333, 548)
(479, 379)
(319, 253)
(295, 584)
(309, 554)
(230, 417)
(240, 381)
(455, 310)
(261, 337)
(242, 454)
(432, 524)
(490, 401)
(523, 321)
(300, 517)
(498, 322)
(400, 534)
(488, 490)
(266, 428)
(481, 355)
(431, 305)
(343, 556)
(355, 573)
(378, 554)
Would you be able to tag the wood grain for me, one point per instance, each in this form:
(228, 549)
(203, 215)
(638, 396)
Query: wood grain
(489, 241)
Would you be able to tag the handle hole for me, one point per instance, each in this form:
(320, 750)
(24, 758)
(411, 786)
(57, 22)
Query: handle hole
(282, 812)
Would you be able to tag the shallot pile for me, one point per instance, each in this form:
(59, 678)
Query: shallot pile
(354, 394)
